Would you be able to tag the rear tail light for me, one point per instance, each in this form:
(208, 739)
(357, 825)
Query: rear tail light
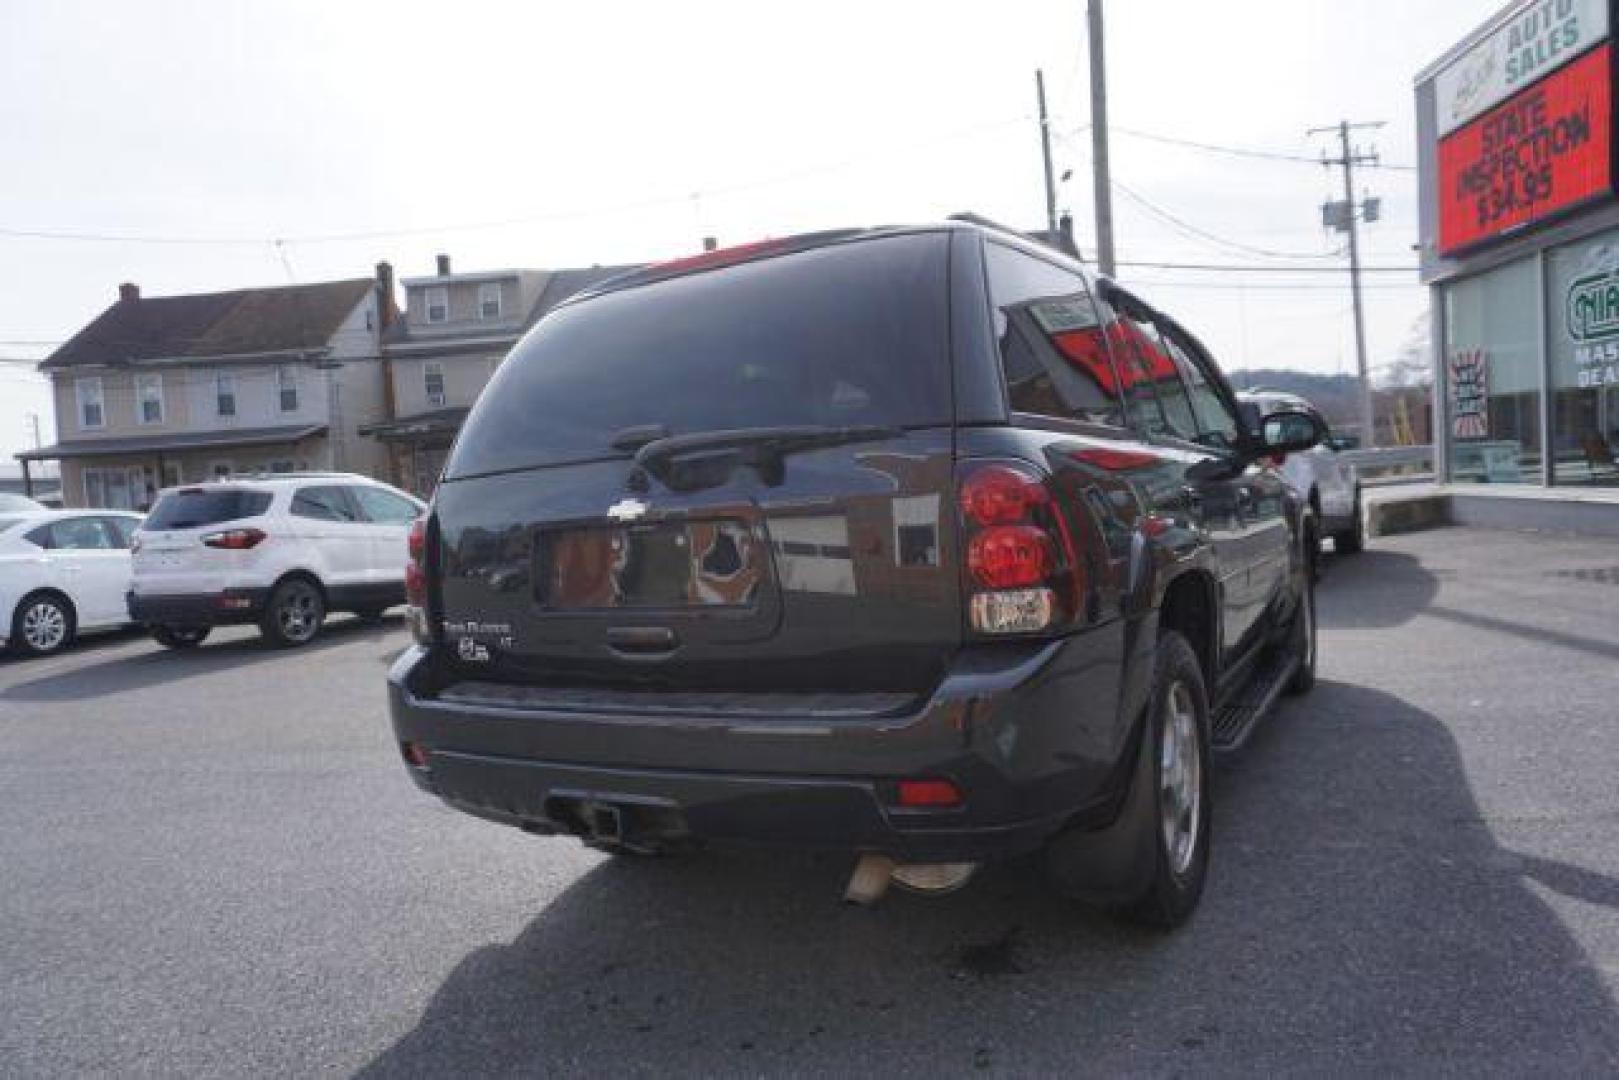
(416, 581)
(1009, 556)
(235, 539)
(1022, 572)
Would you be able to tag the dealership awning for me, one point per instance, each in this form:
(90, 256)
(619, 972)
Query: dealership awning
(175, 442)
(440, 424)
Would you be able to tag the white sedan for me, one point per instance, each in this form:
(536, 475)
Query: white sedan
(62, 572)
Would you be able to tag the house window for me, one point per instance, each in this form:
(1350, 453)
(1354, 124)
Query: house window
(433, 383)
(438, 305)
(489, 300)
(287, 381)
(113, 489)
(92, 406)
(219, 470)
(225, 394)
(172, 476)
(149, 398)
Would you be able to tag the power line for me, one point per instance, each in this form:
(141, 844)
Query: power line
(1263, 286)
(1189, 229)
(1258, 268)
(1239, 151)
(565, 214)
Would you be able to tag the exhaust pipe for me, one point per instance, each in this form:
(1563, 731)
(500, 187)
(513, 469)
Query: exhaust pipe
(869, 881)
(873, 874)
(934, 879)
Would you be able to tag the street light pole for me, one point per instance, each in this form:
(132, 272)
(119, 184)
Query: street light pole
(1101, 175)
(1045, 152)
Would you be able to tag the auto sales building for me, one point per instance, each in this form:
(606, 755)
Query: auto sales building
(1519, 244)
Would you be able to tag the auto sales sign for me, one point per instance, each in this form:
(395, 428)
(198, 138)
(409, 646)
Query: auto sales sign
(1543, 150)
(1534, 41)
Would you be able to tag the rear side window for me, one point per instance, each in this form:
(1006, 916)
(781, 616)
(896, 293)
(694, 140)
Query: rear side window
(122, 529)
(851, 334)
(1216, 424)
(327, 502)
(190, 508)
(385, 507)
(75, 534)
(1049, 336)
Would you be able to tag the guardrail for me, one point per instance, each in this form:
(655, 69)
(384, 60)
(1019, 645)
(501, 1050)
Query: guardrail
(1392, 464)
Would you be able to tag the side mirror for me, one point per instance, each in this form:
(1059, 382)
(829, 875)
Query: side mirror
(1249, 414)
(1291, 432)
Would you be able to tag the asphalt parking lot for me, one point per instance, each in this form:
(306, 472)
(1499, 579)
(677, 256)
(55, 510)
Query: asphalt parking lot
(211, 863)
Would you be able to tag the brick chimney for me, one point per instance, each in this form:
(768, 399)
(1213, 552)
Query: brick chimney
(443, 266)
(387, 311)
(129, 291)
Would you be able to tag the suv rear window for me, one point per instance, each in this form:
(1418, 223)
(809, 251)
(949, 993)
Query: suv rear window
(851, 334)
(189, 508)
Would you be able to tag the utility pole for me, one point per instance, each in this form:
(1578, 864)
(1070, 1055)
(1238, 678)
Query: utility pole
(1104, 183)
(33, 421)
(1045, 152)
(1343, 217)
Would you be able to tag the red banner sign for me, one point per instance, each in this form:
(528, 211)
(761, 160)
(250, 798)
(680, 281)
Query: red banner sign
(1543, 150)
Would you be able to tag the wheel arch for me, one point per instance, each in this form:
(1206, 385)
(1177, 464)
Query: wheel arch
(46, 590)
(1191, 607)
(299, 574)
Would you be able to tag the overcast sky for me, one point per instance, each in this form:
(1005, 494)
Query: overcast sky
(549, 135)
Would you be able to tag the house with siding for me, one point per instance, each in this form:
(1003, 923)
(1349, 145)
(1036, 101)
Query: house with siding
(455, 331)
(161, 391)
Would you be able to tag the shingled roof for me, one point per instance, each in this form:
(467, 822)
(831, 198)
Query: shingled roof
(201, 325)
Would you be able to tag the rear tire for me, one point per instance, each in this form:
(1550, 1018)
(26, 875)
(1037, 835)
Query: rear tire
(1149, 866)
(44, 623)
(294, 614)
(180, 637)
(1352, 540)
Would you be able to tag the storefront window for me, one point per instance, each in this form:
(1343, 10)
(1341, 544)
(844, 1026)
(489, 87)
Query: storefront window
(1582, 306)
(1493, 375)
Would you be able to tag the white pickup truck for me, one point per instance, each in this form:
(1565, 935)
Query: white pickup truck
(1320, 474)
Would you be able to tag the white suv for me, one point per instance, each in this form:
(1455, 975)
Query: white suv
(279, 550)
(1326, 479)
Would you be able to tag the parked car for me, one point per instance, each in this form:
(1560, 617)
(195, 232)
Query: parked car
(280, 550)
(62, 572)
(921, 544)
(1322, 474)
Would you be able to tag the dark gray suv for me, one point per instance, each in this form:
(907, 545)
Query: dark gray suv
(922, 544)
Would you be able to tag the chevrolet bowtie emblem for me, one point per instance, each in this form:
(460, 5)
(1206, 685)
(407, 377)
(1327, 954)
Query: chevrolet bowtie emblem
(626, 510)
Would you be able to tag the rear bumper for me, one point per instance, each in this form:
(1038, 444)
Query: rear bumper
(225, 608)
(1031, 735)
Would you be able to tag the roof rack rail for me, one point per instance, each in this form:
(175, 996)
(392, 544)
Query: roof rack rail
(988, 223)
(1060, 241)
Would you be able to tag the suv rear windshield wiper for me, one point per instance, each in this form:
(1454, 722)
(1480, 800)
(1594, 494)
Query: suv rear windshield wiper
(762, 448)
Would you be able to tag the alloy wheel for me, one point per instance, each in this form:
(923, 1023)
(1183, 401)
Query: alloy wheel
(299, 613)
(1180, 778)
(44, 626)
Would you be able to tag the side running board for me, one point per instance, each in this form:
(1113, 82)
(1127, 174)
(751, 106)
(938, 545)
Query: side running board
(1236, 722)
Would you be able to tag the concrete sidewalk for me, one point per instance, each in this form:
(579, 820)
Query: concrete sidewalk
(1586, 512)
